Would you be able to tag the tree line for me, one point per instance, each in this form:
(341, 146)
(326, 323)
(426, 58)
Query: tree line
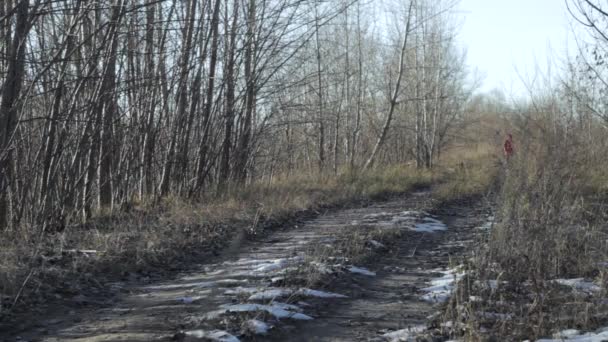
(107, 102)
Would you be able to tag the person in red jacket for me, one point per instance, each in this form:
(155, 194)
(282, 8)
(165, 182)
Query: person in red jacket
(508, 146)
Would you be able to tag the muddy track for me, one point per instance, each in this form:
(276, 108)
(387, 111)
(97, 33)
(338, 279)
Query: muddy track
(393, 300)
(206, 298)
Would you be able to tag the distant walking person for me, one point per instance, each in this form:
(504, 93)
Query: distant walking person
(508, 146)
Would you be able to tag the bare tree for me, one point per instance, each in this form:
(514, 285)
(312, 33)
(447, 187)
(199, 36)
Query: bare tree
(397, 88)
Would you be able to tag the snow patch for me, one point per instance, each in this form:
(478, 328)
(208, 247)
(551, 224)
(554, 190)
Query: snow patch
(383, 214)
(278, 264)
(205, 284)
(429, 225)
(319, 294)
(491, 284)
(361, 270)
(579, 284)
(377, 245)
(242, 291)
(488, 225)
(257, 294)
(405, 335)
(441, 288)
(277, 279)
(419, 221)
(575, 335)
(213, 335)
(257, 327)
(285, 306)
(322, 268)
(189, 300)
(276, 311)
(271, 294)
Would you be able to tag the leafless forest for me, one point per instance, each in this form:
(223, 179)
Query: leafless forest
(106, 102)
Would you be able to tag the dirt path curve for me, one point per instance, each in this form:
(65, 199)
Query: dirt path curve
(393, 300)
(202, 300)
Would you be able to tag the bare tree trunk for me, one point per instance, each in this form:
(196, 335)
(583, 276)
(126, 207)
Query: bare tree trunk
(250, 96)
(230, 98)
(109, 107)
(178, 125)
(355, 142)
(201, 172)
(320, 115)
(52, 152)
(8, 107)
(395, 95)
(146, 173)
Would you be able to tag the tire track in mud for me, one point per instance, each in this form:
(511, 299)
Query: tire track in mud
(390, 307)
(214, 296)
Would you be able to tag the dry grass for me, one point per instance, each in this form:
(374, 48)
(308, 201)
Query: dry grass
(35, 266)
(550, 224)
(349, 246)
(467, 172)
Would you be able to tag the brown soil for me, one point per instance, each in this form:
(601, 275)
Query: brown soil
(161, 310)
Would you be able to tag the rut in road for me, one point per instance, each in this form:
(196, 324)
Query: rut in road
(359, 305)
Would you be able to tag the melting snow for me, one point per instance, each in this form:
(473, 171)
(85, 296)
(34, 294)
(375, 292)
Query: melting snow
(441, 288)
(276, 311)
(376, 244)
(182, 286)
(575, 335)
(241, 290)
(185, 300)
(488, 225)
(278, 264)
(271, 294)
(189, 300)
(319, 294)
(429, 225)
(360, 270)
(214, 335)
(322, 268)
(285, 306)
(405, 335)
(579, 284)
(407, 219)
(383, 214)
(257, 327)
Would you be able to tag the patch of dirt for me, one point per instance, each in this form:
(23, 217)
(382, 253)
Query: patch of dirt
(392, 301)
(199, 299)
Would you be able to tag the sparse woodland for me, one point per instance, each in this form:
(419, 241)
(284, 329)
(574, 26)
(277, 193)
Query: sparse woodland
(203, 113)
(110, 102)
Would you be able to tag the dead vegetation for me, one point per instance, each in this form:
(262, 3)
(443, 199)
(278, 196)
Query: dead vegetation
(470, 173)
(356, 245)
(139, 243)
(541, 268)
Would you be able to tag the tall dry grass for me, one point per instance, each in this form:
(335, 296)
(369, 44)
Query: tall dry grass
(550, 223)
(468, 172)
(35, 266)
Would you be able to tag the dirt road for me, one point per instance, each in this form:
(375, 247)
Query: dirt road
(243, 296)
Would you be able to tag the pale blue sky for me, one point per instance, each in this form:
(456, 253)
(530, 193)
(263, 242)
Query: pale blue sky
(503, 37)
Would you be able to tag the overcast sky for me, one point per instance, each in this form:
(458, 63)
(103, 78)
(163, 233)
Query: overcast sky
(502, 36)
